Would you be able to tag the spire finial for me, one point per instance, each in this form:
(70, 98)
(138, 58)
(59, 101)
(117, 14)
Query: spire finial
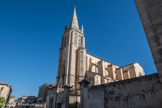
(74, 20)
(75, 5)
(82, 28)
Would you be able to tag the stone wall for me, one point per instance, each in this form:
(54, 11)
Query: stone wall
(150, 12)
(142, 92)
(60, 99)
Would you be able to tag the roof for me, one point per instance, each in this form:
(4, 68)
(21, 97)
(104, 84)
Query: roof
(74, 20)
(2, 83)
(25, 97)
(48, 84)
(102, 59)
(12, 97)
(114, 63)
(133, 64)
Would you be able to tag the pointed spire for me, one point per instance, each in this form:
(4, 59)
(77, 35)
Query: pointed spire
(82, 28)
(74, 20)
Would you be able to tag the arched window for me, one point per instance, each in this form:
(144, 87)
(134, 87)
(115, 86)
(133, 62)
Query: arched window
(106, 71)
(75, 39)
(64, 41)
(79, 41)
(67, 40)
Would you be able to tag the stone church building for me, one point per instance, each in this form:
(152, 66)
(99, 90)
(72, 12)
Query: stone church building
(76, 64)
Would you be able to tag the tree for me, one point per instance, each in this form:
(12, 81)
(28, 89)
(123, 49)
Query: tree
(2, 99)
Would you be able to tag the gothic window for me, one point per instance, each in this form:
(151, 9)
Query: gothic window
(64, 41)
(79, 41)
(75, 39)
(95, 68)
(67, 40)
(106, 72)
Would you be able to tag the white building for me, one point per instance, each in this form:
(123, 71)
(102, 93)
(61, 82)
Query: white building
(12, 102)
(5, 91)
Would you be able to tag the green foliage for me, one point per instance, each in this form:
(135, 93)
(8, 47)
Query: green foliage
(2, 99)
(1, 89)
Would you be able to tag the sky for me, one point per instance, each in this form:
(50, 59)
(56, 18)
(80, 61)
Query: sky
(31, 31)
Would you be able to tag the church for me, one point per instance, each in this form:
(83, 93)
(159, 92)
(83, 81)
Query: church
(76, 64)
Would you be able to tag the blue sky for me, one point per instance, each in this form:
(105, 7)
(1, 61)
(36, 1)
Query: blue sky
(31, 30)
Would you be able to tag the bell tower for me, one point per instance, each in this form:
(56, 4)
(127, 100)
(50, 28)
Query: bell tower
(72, 55)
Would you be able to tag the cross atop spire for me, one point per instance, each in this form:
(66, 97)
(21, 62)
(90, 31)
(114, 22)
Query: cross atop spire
(74, 20)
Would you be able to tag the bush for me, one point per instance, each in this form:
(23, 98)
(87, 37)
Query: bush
(2, 99)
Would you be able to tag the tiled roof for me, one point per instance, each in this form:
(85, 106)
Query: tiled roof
(2, 83)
